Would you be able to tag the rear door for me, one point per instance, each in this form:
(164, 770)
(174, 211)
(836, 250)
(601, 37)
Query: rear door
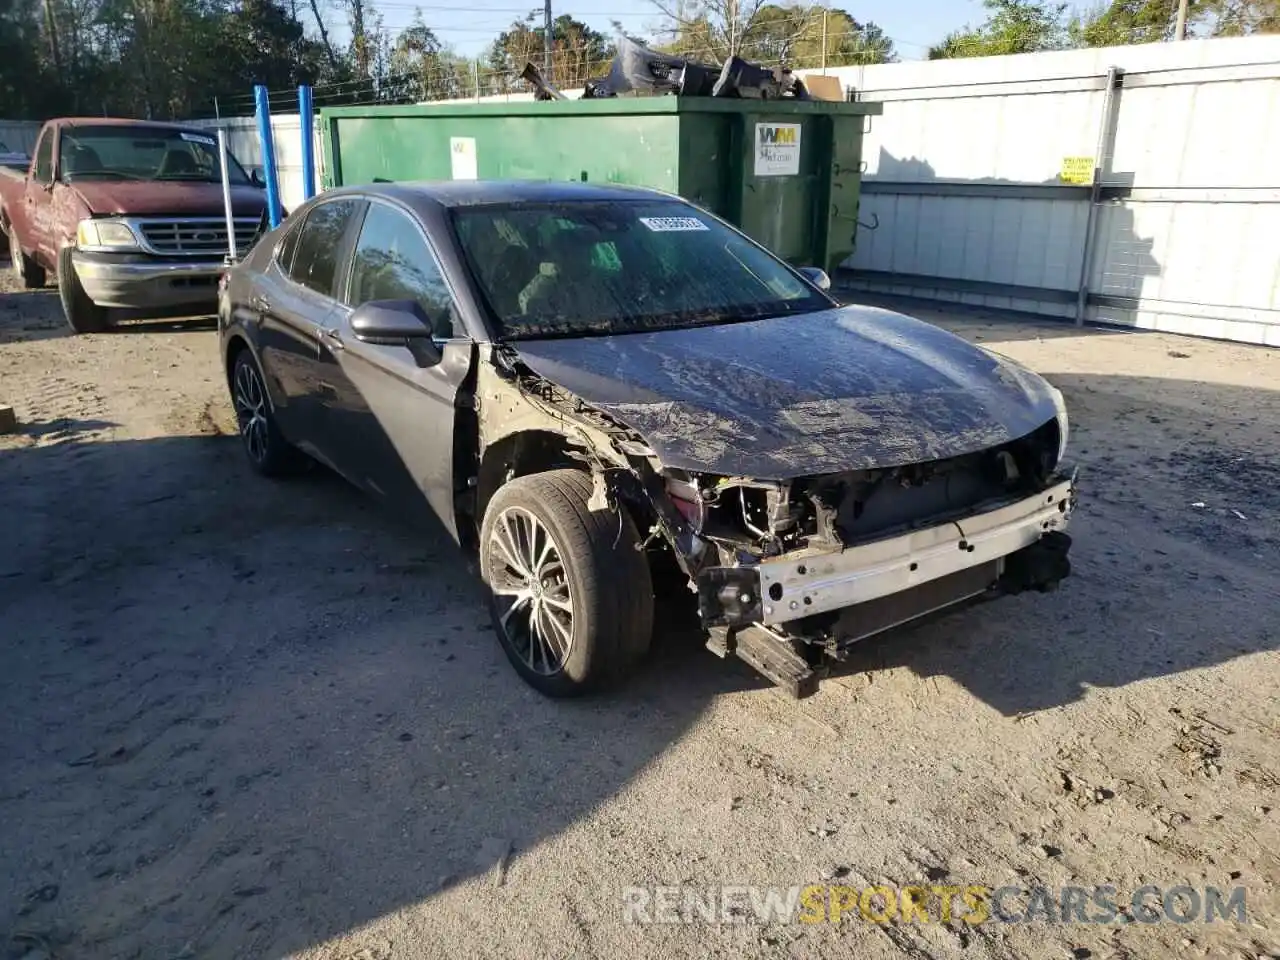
(294, 302)
(393, 421)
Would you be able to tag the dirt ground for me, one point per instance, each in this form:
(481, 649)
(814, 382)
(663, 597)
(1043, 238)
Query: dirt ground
(251, 719)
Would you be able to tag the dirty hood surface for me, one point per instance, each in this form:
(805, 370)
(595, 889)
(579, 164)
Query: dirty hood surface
(176, 198)
(844, 389)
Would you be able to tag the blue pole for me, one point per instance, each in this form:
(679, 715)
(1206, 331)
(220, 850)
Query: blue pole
(306, 115)
(268, 154)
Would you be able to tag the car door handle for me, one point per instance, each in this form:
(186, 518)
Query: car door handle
(259, 302)
(332, 339)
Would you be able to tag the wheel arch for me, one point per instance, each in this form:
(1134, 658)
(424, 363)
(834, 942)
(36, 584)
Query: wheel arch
(238, 341)
(518, 454)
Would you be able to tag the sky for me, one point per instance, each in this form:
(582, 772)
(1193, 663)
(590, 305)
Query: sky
(470, 25)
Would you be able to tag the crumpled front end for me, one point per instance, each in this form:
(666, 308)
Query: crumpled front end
(812, 565)
(789, 572)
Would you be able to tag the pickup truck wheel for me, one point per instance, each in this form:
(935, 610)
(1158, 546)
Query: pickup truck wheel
(571, 595)
(83, 315)
(29, 274)
(268, 451)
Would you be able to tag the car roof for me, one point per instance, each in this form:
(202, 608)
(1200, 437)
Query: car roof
(464, 193)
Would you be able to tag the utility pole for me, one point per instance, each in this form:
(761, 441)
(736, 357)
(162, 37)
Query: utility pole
(733, 28)
(824, 40)
(1180, 31)
(546, 43)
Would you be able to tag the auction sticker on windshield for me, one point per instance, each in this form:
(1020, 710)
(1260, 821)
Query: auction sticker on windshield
(673, 224)
(777, 149)
(197, 138)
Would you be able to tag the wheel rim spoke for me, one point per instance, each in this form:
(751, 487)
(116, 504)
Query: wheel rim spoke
(528, 576)
(251, 411)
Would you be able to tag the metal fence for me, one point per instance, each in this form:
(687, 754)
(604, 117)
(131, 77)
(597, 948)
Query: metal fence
(972, 176)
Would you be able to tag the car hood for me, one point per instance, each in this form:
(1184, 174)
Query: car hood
(173, 198)
(845, 389)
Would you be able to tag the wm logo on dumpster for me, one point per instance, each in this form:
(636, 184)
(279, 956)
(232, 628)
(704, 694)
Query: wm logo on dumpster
(779, 136)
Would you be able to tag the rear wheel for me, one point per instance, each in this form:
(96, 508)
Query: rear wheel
(572, 599)
(268, 451)
(83, 315)
(29, 274)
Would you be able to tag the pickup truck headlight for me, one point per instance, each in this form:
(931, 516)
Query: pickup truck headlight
(105, 235)
(1060, 407)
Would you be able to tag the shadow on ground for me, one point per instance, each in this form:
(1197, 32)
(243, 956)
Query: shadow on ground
(244, 717)
(37, 315)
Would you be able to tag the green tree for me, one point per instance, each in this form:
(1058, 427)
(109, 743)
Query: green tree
(426, 68)
(1131, 21)
(1237, 18)
(1012, 26)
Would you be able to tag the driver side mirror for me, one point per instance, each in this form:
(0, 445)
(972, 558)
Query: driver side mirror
(817, 276)
(397, 323)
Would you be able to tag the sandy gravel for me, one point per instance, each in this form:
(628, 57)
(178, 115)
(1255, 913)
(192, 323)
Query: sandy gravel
(246, 719)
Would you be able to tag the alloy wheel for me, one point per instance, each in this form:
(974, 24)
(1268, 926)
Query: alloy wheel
(531, 587)
(251, 410)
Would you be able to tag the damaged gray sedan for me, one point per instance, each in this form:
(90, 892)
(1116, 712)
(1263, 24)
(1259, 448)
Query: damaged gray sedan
(584, 382)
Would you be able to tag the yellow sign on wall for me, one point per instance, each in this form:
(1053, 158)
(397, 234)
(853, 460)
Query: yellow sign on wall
(1077, 170)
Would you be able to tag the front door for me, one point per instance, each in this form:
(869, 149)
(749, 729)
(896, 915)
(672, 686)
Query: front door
(295, 303)
(37, 203)
(393, 420)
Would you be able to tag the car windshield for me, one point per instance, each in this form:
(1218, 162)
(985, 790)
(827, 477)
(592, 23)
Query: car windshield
(143, 153)
(589, 267)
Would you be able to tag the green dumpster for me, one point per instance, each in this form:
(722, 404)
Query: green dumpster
(787, 172)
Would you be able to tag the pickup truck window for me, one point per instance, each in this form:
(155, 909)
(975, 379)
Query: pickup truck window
(44, 157)
(143, 153)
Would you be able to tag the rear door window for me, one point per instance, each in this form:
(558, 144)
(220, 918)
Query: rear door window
(315, 262)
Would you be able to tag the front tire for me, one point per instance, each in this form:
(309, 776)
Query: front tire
(83, 315)
(269, 453)
(29, 274)
(571, 594)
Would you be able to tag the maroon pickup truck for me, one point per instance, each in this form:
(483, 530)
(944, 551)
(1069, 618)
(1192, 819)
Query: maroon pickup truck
(126, 214)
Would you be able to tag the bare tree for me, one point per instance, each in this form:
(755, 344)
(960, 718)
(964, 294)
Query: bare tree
(711, 29)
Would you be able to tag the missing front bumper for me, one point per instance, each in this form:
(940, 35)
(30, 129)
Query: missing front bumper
(795, 586)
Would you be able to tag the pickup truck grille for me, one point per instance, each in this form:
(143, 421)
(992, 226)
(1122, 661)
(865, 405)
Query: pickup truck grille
(196, 237)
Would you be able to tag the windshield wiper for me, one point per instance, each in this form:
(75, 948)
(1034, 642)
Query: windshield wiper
(99, 175)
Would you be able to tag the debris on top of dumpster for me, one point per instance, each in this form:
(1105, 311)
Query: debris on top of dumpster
(636, 69)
